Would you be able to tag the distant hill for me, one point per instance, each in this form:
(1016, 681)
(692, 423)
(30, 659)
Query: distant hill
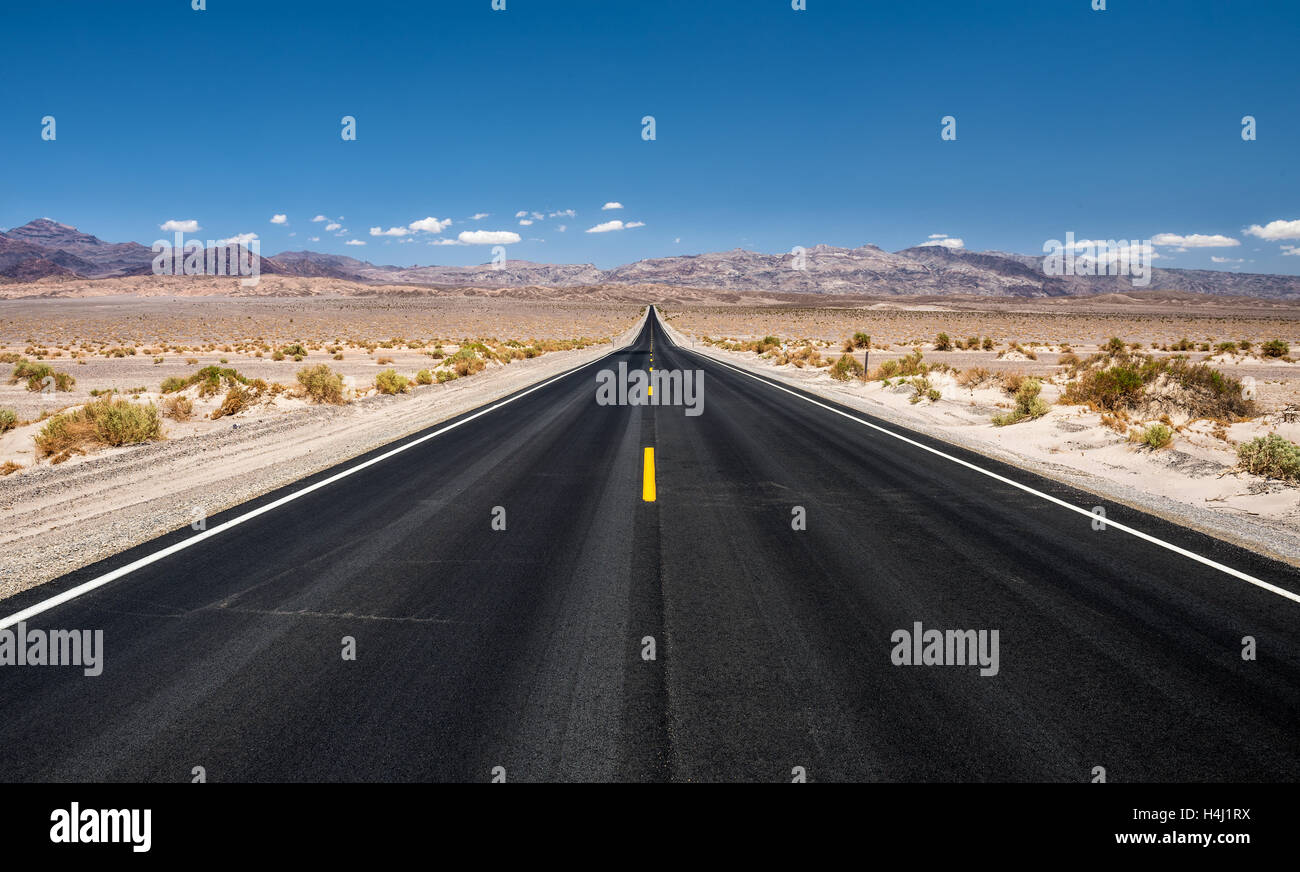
(45, 249)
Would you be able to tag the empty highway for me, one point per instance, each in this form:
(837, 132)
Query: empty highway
(523, 652)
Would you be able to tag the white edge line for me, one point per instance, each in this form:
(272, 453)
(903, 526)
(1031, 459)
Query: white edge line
(1235, 573)
(99, 581)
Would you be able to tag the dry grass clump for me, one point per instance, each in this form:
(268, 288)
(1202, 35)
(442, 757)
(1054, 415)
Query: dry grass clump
(1029, 404)
(8, 420)
(237, 399)
(322, 384)
(178, 408)
(847, 367)
(390, 382)
(9, 466)
(1119, 379)
(36, 374)
(106, 422)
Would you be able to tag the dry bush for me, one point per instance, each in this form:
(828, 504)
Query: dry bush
(322, 384)
(178, 408)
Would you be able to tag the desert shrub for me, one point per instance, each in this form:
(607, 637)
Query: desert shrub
(296, 351)
(36, 374)
(424, 377)
(942, 342)
(8, 420)
(446, 375)
(861, 340)
(322, 384)
(1275, 348)
(390, 382)
(1271, 456)
(384, 361)
(846, 367)
(1226, 348)
(178, 408)
(1155, 436)
(974, 377)
(107, 422)
(172, 384)
(1069, 359)
(923, 390)
(237, 399)
(1029, 404)
(10, 357)
(338, 356)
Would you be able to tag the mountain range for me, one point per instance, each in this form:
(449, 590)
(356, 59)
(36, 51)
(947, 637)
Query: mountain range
(45, 249)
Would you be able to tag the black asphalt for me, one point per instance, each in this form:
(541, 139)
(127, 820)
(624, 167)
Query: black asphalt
(479, 648)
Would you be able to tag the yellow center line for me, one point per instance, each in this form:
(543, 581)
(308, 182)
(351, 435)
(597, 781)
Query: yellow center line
(648, 476)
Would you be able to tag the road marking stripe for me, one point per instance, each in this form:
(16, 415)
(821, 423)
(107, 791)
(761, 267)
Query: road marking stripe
(648, 476)
(100, 581)
(1249, 579)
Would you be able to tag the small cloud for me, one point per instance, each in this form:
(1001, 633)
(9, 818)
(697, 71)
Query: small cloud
(479, 216)
(938, 236)
(174, 226)
(611, 205)
(629, 225)
(313, 239)
(562, 228)
(522, 213)
(1289, 251)
(355, 242)
(944, 241)
(606, 227)
(445, 242)
(1217, 259)
(563, 213)
(430, 225)
(240, 239)
(332, 226)
(677, 239)
(1195, 240)
(1275, 230)
(319, 218)
(524, 222)
(488, 237)
(279, 219)
(391, 231)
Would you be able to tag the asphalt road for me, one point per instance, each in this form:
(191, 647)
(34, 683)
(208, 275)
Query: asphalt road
(522, 648)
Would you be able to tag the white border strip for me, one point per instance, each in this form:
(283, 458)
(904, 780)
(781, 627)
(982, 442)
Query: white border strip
(1249, 579)
(100, 581)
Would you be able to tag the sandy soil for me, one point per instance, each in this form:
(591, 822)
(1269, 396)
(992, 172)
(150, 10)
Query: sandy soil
(54, 519)
(1191, 482)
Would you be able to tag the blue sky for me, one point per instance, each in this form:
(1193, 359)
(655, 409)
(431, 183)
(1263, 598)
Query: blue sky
(774, 128)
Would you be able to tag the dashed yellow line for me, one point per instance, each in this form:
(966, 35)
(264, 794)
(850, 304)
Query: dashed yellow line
(648, 476)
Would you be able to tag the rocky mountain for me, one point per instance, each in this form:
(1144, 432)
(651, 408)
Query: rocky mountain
(45, 249)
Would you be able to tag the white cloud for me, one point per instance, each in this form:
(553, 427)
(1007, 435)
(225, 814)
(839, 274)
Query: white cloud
(1290, 250)
(488, 237)
(524, 222)
(562, 228)
(319, 218)
(279, 219)
(606, 227)
(174, 226)
(354, 242)
(1218, 259)
(629, 225)
(611, 205)
(404, 241)
(430, 225)
(945, 241)
(563, 213)
(1275, 230)
(1195, 240)
(332, 226)
(391, 231)
(313, 239)
(446, 242)
(938, 236)
(678, 239)
(522, 213)
(479, 216)
(240, 239)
